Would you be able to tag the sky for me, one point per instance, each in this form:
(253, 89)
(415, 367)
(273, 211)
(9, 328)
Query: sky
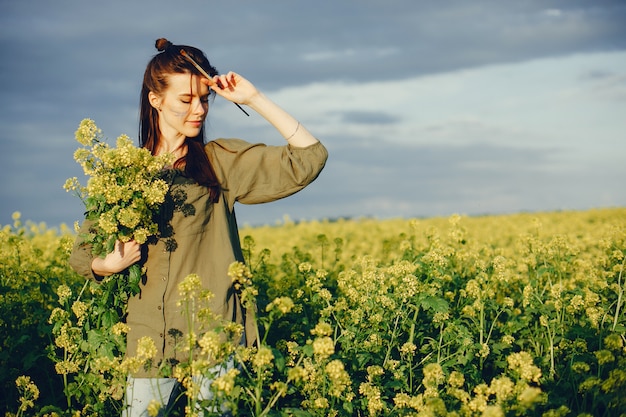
(427, 108)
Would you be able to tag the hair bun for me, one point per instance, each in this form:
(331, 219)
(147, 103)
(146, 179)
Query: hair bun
(162, 44)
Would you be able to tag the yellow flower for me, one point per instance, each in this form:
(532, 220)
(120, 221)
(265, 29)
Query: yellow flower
(484, 350)
(580, 367)
(502, 387)
(29, 392)
(372, 393)
(146, 349)
(210, 344)
(79, 308)
(408, 349)
(297, 373)
(129, 217)
(402, 400)
(456, 379)
(263, 357)
(604, 356)
(593, 315)
(120, 328)
(441, 317)
(282, 304)
(63, 292)
(240, 275)
(71, 184)
(529, 396)
(320, 403)
(189, 286)
(493, 411)
(57, 315)
(156, 192)
(433, 374)
(473, 288)
(614, 342)
(87, 132)
(323, 347)
(66, 338)
(304, 267)
(226, 382)
(141, 235)
(66, 367)
(522, 363)
(153, 408)
(322, 329)
(108, 222)
(325, 294)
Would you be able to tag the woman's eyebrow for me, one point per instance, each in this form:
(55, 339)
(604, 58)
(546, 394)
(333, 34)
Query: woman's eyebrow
(184, 96)
(190, 95)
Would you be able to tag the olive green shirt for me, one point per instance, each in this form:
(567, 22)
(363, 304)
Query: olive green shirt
(201, 237)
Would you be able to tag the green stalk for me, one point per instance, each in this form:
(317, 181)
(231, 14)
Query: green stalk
(620, 296)
(393, 336)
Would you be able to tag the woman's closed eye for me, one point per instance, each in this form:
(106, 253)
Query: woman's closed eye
(203, 99)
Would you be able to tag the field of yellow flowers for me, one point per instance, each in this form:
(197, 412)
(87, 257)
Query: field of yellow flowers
(519, 314)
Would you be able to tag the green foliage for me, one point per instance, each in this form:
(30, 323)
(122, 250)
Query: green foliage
(33, 263)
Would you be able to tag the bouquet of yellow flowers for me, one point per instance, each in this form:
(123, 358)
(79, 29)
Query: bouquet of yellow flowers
(123, 191)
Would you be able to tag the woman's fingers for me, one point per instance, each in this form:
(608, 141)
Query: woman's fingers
(225, 81)
(128, 252)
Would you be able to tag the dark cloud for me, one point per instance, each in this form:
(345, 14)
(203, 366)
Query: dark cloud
(367, 118)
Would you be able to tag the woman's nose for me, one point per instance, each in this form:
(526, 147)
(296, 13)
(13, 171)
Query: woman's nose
(199, 107)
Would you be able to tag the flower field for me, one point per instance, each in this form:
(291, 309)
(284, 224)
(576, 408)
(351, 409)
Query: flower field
(519, 314)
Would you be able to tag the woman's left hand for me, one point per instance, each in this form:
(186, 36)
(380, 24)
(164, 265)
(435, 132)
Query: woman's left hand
(232, 87)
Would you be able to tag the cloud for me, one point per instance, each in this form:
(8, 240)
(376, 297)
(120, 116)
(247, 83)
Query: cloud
(368, 117)
(426, 108)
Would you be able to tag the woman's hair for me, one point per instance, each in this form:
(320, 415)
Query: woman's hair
(170, 61)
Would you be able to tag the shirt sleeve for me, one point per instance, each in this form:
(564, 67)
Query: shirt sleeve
(81, 256)
(258, 173)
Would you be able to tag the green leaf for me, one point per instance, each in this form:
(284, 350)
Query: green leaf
(134, 274)
(436, 304)
(109, 318)
(110, 244)
(279, 360)
(307, 350)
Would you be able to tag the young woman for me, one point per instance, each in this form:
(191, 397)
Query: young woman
(198, 232)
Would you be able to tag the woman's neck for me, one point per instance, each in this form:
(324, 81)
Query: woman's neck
(177, 147)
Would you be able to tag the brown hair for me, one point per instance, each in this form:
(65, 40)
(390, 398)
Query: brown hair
(170, 61)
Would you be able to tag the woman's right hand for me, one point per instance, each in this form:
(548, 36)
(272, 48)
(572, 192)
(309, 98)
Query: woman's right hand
(124, 255)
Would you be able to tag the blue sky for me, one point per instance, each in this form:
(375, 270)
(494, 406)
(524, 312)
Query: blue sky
(427, 108)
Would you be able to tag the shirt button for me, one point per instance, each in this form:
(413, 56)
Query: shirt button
(164, 278)
(161, 335)
(159, 307)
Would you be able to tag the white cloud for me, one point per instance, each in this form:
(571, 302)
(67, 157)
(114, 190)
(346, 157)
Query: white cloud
(553, 12)
(540, 103)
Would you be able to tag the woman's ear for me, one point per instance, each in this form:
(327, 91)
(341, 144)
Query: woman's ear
(155, 101)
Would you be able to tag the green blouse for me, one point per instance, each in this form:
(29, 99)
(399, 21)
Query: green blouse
(201, 237)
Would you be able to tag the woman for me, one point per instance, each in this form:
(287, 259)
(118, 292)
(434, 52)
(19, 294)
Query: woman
(198, 231)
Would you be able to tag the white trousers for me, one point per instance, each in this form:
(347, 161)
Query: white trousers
(140, 392)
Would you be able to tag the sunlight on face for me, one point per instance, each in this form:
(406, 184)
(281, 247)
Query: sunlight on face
(184, 106)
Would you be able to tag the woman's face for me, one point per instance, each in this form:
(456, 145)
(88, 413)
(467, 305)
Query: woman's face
(182, 107)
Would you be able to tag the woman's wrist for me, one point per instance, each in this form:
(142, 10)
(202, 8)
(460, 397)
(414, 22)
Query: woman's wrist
(99, 268)
(291, 129)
